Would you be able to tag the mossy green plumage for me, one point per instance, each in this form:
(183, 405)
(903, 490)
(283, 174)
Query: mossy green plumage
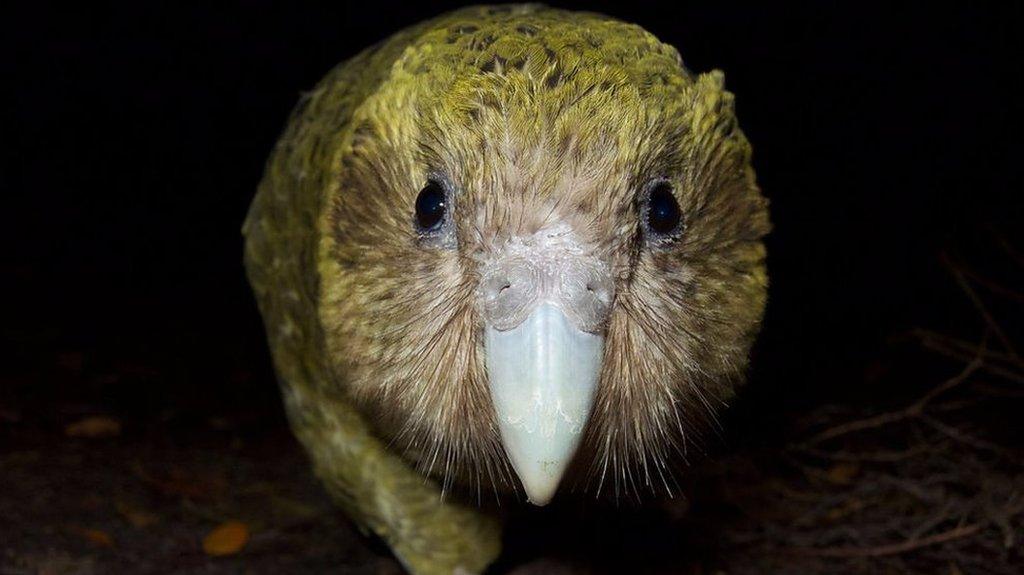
(300, 273)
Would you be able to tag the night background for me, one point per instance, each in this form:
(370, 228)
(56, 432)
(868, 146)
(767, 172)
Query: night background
(138, 407)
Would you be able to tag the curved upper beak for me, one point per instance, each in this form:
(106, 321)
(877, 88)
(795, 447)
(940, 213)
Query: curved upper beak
(543, 376)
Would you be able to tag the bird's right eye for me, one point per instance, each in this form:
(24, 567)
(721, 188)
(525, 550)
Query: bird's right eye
(663, 216)
(431, 206)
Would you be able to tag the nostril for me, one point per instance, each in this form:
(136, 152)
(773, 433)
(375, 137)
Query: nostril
(599, 291)
(507, 293)
(495, 286)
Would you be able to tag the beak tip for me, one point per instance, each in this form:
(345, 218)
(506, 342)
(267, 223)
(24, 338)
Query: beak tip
(538, 502)
(540, 482)
(543, 376)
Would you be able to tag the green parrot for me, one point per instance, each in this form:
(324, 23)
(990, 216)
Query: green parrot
(505, 249)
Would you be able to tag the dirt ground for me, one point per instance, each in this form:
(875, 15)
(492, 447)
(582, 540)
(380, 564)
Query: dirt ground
(98, 476)
(936, 486)
(130, 505)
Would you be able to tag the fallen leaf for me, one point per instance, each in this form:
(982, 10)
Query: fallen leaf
(95, 536)
(842, 473)
(135, 516)
(94, 427)
(227, 539)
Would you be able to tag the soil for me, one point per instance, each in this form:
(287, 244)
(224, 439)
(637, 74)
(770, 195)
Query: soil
(889, 492)
(120, 459)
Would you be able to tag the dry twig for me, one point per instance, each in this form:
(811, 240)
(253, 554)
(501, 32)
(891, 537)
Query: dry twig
(892, 548)
(911, 411)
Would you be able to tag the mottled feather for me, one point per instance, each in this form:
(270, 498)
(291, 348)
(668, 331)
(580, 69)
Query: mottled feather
(533, 115)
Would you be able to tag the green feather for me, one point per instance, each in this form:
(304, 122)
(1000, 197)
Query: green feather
(288, 253)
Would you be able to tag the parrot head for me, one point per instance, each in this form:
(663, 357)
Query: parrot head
(542, 245)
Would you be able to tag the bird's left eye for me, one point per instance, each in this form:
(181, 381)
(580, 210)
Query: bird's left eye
(431, 205)
(662, 216)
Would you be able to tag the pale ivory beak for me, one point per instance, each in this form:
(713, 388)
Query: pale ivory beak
(543, 376)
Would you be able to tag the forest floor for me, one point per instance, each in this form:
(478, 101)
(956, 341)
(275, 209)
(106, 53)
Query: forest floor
(934, 484)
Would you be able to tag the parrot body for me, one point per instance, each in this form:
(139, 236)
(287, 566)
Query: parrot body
(574, 182)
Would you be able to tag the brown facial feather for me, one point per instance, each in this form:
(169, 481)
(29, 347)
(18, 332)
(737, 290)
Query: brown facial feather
(552, 119)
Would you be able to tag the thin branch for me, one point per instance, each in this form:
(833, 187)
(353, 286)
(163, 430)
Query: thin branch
(989, 367)
(892, 548)
(979, 305)
(1011, 251)
(958, 435)
(993, 286)
(927, 336)
(913, 410)
(870, 456)
(859, 425)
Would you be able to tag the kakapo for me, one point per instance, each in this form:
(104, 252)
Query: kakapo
(499, 242)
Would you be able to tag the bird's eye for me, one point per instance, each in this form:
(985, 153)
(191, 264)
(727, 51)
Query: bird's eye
(431, 206)
(662, 214)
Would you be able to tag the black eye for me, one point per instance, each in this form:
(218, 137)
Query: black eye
(663, 214)
(430, 206)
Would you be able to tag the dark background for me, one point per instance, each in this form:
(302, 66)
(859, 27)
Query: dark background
(135, 135)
